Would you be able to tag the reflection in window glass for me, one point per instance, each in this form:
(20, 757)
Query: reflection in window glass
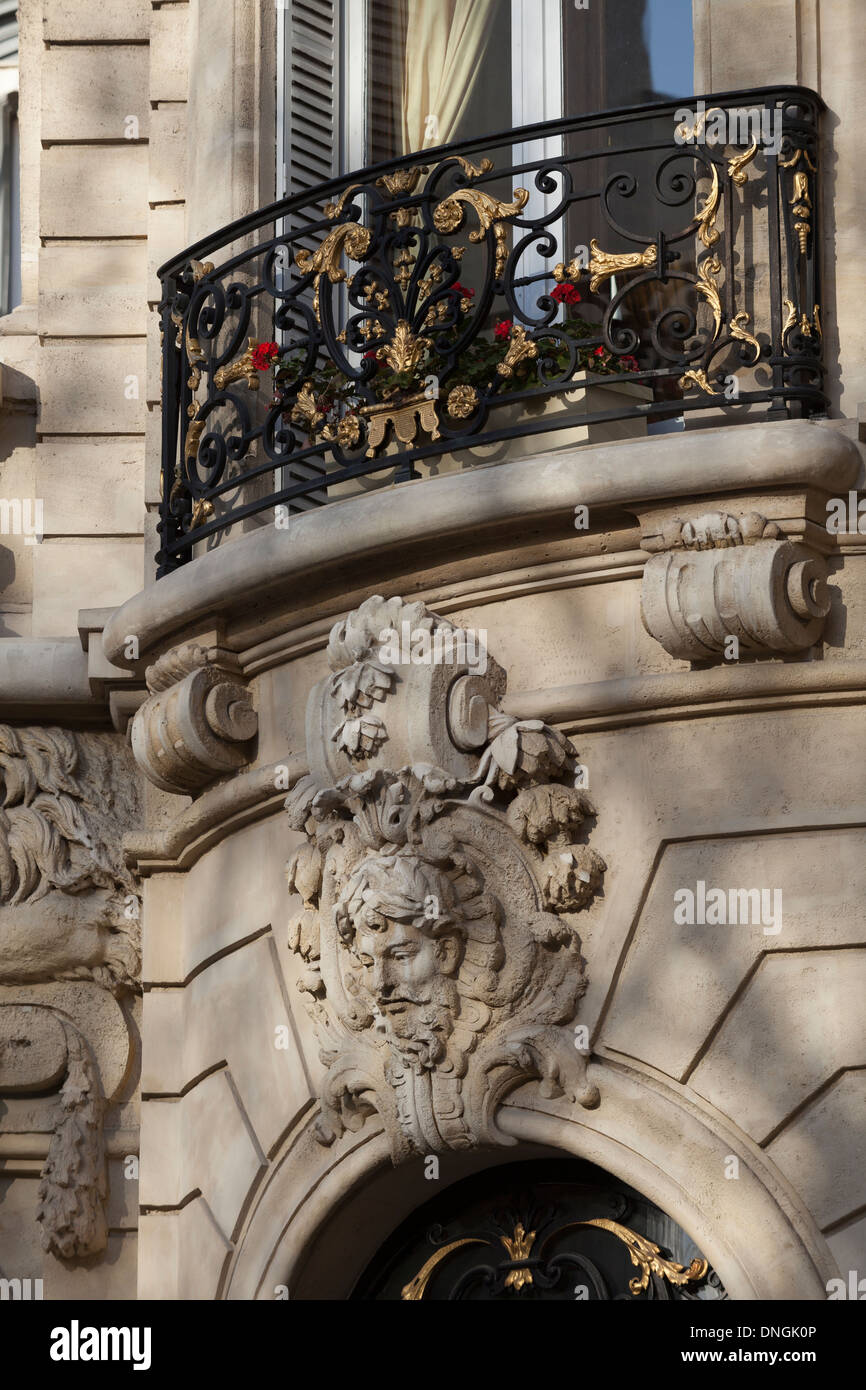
(667, 32)
(626, 53)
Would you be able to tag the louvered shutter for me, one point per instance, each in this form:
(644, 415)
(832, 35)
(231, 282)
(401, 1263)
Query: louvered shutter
(8, 32)
(311, 127)
(310, 94)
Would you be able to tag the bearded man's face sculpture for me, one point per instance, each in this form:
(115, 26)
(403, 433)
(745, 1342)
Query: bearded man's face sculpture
(398, 917)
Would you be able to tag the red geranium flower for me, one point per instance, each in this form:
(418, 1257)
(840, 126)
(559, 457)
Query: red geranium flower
(566, 294)
(371, 353)
(463, 291)
(263, 356)
(630, 362)
(600, 352)
(502, 329)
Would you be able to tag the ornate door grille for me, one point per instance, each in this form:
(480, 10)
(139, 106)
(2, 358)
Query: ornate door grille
(545, 1229)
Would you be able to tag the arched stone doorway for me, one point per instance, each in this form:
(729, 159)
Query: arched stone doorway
(321, 1215)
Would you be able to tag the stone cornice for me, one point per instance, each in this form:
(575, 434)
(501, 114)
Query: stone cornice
(729, 689)
(331, 548)
(575, 709)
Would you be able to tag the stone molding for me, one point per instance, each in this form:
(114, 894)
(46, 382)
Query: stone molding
(401, 530)
(228, 806)
(649, 1132)
(718, 576)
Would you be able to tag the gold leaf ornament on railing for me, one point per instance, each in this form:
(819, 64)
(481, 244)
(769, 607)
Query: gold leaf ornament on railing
(242, 369)
(449, 215)
(348, 237)
(605, 263)
(519, 347)
(404, 351)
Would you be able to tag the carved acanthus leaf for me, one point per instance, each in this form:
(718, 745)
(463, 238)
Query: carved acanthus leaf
(73, 1185)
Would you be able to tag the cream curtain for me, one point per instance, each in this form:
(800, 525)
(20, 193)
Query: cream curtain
(445, 43)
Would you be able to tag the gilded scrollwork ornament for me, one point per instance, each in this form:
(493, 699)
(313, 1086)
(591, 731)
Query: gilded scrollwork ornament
(491, 213)
(242, 369)
(738, 164)
(526, 1261)
(350, 238)
(603, 264)
(520, 347)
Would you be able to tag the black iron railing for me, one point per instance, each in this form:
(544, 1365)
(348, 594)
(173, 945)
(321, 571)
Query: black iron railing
(612, 270)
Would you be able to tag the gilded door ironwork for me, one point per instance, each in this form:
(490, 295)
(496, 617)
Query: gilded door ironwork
(545, 1229)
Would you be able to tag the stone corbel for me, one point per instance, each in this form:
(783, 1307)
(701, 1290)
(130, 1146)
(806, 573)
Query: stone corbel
(719, 576)
(39, 1048)
(198, 722)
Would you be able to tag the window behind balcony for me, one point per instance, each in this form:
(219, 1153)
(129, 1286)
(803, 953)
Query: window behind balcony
(367, 80)
(364, 81)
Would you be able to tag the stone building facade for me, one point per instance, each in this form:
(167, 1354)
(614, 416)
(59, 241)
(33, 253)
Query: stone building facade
(496, 943)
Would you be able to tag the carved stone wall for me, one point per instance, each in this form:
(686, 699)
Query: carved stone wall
(70, 965)
(480, 943)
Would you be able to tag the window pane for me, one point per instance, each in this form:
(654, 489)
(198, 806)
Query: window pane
(438, 71)
(626, 53)
(620, 53)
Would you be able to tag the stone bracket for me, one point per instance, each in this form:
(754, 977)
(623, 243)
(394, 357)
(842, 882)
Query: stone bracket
(197, 724)
(720, 576)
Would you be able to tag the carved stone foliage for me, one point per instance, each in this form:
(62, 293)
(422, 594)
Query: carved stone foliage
(68, 902)
(397, 669)
(442, 961)
(41, 1049)
(197, 724)
(69, 948)
(720, 576)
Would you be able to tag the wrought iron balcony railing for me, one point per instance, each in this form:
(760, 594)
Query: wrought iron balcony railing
(612, 270)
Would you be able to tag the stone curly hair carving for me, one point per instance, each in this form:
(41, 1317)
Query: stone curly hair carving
(65, 799)
(407, 887)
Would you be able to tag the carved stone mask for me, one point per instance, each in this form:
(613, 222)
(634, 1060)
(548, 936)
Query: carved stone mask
(399, 921)
(440, 956)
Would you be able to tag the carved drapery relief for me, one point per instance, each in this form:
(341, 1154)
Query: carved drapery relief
(439, 879)
(719, 576)
(69, 948)
(198, 722)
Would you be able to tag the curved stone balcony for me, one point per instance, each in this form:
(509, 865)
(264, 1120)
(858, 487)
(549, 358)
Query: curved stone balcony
(578, 282)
